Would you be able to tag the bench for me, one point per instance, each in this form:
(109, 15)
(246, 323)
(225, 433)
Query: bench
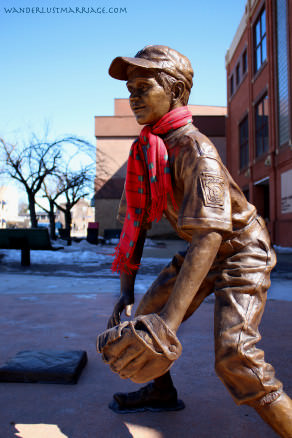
(111, 233)
(26, 239)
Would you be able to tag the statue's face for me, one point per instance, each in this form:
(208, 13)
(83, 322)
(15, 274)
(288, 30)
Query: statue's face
(148, 100)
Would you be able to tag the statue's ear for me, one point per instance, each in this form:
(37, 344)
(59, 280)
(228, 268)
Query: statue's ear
(178, 90)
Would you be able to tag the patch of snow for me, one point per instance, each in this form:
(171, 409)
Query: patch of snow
(153, 243)
(55, 257)
(154, 261)
(82, 253)
(83, 245)
(112, 241)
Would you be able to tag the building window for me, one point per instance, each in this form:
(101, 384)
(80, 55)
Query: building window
(261, 125)
(231, 85)
(243, 144)
(244, 62)
(260, 41)
(237, 74)
(282, 72)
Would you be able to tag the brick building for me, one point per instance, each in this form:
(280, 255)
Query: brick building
(114, 136)
(258, 128)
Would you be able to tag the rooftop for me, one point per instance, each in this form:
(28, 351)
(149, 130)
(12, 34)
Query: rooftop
(249, 8)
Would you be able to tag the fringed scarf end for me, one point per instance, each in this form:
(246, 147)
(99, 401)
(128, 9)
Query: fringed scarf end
(121, 263)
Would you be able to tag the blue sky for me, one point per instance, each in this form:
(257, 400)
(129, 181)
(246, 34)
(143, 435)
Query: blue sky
(54, 66)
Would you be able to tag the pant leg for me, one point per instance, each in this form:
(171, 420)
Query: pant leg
(240, 303)
(239, 363)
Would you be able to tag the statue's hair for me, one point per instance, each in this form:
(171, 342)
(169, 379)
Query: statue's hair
(167, 81)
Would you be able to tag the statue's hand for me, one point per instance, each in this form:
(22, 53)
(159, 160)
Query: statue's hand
(140, 350)
(124, 303)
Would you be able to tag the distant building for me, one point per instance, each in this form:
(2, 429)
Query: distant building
(259, 147)
(42, 219)
(114, 136)
(8, 206)
(82, 214)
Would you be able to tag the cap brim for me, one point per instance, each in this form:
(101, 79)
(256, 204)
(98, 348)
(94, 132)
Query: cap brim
(119, 66)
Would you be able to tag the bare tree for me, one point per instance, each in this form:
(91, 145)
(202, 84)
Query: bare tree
(73, 185)
(31, 163)
(52, 189)
(65, 186)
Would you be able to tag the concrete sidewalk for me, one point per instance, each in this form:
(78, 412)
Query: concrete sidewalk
(47, 307)
(71, 321)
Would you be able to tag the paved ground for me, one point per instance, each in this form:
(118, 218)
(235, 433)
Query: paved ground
(40, 311)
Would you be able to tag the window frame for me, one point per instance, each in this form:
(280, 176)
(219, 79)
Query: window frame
(264, 149)
(237, 74)
(258, 45)
(244, 62)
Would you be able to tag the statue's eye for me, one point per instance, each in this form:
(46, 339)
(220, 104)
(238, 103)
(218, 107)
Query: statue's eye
(144, 87)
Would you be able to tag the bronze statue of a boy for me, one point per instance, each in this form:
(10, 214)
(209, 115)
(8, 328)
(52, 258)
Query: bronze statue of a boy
(175, 170)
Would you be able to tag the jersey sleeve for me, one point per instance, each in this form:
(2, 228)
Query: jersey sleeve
(206, 200)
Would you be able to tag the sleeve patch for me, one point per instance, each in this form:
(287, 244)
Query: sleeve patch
(213, 190)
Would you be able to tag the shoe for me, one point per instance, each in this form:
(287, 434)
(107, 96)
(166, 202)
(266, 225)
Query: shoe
(148, 398)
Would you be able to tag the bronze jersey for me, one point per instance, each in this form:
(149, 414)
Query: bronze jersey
(206, 195)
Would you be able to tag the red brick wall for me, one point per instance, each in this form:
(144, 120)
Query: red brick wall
(275, 161)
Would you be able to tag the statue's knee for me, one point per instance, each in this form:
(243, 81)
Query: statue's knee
(228, 360)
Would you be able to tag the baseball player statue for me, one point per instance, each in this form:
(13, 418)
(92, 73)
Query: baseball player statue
(176, 171)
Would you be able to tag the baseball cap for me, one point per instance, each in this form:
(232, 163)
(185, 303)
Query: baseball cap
(155, 57)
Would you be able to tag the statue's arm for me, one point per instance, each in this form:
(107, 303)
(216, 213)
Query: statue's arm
(197, 263)
(127, 283)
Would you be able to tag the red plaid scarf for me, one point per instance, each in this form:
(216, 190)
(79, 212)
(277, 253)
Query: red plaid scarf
(148, 180)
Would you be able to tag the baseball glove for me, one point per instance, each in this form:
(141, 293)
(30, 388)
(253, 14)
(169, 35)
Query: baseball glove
(140, 350)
